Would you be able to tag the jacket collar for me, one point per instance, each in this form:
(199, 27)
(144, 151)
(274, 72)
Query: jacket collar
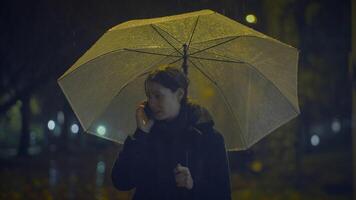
(191, 115)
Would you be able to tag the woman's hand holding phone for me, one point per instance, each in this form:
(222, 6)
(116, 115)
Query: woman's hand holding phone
(143, 121)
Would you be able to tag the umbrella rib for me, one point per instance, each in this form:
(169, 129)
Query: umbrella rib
(169, 34)
(241, 36)
(262, 75)
(218, 60)
(216, 54)
(143, 72)
(176, 61)
(140, 74)
(248, 104)
(145, 52)
(232, 38)
(220, 38)
(215, 45)
(154, 28)
(191, 36)
(103, 55)
(123, 87)
(251, 66)
(222, 93)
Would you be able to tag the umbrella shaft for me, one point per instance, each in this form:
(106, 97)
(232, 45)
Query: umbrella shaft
(185, 58)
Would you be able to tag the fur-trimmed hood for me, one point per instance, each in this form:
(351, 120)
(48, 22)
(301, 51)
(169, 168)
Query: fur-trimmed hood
(192, 116)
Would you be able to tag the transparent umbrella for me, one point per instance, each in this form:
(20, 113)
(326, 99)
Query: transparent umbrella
(247, 80)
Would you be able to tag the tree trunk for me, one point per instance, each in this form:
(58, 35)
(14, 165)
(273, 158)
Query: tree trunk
(65, 128)
(353, 82)
(25, 127)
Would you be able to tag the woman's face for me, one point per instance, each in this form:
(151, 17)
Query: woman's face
(164, 103)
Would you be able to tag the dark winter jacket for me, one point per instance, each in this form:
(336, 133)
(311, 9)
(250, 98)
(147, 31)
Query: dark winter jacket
(147, 160)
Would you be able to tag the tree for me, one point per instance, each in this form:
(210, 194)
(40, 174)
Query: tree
(352, 77)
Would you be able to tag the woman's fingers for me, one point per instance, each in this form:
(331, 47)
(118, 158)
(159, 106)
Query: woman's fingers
(183, 177)
(143, 122)
(182, 169)
(182, 180)
(141, 114)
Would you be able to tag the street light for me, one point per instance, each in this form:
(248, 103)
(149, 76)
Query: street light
(101, 130)
(74, 128)
(250, 18)
(336, 126)
(60, 117)
(315, 140)
(51, 125)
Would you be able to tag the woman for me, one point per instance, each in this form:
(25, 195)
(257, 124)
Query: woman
(175, 153)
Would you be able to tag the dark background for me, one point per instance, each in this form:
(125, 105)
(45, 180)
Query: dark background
(308, 158)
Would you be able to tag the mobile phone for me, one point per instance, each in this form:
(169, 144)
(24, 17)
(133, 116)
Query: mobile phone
(148, 111)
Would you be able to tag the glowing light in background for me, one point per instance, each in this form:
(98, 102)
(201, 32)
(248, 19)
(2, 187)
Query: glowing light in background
(100, 173)
(32, 138)
(315, 140)
(60, 117)
(57, 131)
(100, 167)
(101, 130)
(51, 125)
(74, 128)
(336, 126)
(256, 166)
(53, 173)
(251, 19)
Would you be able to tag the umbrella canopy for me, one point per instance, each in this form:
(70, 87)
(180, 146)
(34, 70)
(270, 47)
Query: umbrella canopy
(247, 80)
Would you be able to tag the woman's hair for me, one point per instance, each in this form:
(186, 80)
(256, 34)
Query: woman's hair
(171, 78)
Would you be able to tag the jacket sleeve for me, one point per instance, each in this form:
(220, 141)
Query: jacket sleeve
(130, 167)
(216, 183)
(220, 168)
